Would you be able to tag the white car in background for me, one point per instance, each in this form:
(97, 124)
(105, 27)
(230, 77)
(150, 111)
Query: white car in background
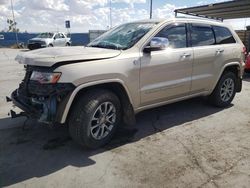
(49, 39)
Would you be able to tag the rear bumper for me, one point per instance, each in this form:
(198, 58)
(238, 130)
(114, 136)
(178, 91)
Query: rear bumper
(247, 64)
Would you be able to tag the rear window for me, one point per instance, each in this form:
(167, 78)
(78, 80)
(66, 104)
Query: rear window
(223, 35)
(202, 35)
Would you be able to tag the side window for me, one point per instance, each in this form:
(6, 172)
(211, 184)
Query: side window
(175, 34)
(202, 35)
(61, 35)
(223, 35)
(57, 36)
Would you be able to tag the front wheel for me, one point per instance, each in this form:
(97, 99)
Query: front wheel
(95, 118)
(224, 91)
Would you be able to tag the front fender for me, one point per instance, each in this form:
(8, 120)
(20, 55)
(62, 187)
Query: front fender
(82, 86)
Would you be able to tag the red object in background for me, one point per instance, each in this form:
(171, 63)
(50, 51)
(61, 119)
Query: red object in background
(247, 67)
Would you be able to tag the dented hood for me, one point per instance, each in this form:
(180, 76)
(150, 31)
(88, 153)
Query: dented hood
(48, 57)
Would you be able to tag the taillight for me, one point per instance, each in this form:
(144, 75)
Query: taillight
(244, 50)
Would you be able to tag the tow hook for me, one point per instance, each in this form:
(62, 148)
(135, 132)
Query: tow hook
(8, 99)
(13, 114)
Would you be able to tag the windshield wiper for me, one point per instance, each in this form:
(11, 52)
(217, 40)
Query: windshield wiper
(96, 46)
(108, 45)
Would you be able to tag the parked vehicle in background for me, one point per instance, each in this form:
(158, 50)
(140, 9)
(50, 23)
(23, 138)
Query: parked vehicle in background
(1, 37)
(247, 66)
(49, 39)
(130, 68)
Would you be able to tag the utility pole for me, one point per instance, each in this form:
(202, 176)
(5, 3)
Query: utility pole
(151, 4)
(110, 15)
(14, 22)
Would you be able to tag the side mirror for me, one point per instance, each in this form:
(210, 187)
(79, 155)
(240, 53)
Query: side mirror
(156, 44)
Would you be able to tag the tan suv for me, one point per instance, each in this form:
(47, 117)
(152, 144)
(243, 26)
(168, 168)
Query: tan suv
(132, 67)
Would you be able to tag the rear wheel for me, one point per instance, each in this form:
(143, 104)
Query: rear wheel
(95, 118)
(224, 91)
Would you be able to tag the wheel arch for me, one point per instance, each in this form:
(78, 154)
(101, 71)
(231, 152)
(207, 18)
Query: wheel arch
(234, 67)
(116, 86)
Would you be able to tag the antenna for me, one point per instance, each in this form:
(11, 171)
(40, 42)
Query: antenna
(14, 22)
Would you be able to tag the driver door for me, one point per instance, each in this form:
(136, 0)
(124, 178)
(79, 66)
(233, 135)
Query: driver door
(58, 40)
(166, 74)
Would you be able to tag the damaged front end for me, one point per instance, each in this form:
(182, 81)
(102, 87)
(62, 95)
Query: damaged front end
(40, 96)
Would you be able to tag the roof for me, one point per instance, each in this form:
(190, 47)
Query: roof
(225, 10)
(178, 18)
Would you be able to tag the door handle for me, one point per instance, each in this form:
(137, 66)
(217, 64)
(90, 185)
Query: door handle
(219, 51)
(185, 55)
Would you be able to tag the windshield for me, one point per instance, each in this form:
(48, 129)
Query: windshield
(122, 37)
(45, 35)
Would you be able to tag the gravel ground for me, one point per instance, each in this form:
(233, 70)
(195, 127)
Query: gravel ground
(186, 144)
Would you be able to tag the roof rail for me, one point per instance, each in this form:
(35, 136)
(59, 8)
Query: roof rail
(197, 15)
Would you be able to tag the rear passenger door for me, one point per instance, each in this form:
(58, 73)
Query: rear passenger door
(227, 50)
(206, 57)
(210, 54)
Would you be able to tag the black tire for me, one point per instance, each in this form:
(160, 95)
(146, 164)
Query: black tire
(81, 117)
(216, 97)
(50, 45)
(67, 44)
(29, 47)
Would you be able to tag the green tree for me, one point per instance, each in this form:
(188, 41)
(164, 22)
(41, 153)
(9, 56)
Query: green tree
(12, 26)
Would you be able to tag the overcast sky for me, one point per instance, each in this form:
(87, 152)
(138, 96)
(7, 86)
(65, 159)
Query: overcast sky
(50, 15)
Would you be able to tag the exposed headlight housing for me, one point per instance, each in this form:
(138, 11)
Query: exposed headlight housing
(45, 77)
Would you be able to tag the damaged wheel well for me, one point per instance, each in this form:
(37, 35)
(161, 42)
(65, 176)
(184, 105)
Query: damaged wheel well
(127, 108)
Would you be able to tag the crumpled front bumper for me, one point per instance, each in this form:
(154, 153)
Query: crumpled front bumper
(23, 105)
(45, 107)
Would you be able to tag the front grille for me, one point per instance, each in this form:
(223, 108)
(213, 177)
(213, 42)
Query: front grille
(34, 41)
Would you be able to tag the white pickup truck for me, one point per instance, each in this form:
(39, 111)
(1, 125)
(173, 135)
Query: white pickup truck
(49, 39)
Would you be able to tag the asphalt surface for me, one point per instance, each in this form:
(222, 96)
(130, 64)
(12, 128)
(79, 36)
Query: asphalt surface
(186, 144)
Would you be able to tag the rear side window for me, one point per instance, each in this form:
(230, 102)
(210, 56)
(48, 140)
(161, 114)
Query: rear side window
(223, 35)
(202, 35)
(176, 35)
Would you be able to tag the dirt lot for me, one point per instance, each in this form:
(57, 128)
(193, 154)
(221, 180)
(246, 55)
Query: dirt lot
(187, 144)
